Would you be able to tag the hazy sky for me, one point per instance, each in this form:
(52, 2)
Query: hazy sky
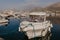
(24, 3)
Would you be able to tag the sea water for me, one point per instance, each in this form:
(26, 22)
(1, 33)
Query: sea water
(10, 32)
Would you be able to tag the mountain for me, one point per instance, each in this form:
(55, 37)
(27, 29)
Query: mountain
(32, 8)
(54, 7)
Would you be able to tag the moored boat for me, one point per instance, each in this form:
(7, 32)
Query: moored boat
(36, 26)
(3, 21)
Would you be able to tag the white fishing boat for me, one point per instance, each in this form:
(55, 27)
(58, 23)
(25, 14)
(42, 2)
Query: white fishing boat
(3, 21)
(36, 26)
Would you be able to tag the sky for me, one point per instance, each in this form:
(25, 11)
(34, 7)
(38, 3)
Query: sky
(5, 4)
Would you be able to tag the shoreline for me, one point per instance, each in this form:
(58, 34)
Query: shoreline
(54, 20)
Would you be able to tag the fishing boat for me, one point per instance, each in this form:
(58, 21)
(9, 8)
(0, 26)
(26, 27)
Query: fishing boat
(36, 26)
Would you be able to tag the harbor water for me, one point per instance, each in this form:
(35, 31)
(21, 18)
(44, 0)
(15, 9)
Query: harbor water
(10, 32)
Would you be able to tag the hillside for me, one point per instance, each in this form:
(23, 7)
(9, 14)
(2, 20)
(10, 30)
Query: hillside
(54, 7)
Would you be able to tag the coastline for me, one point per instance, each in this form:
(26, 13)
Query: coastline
(54, 20)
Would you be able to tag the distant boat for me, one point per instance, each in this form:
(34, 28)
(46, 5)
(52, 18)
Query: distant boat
(36, 26)
(3, 21)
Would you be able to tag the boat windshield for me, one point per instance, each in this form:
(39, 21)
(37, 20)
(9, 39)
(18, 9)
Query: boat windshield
(36, 18)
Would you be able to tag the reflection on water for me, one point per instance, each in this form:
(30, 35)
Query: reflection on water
(11, 27)
(56, 32)
(47, 37)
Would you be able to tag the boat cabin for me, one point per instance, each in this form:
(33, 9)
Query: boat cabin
(37, 17)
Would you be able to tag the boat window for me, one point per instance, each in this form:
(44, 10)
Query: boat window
(16, 14)
(36, 18)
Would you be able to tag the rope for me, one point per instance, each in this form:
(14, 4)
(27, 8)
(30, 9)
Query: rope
(33, 29)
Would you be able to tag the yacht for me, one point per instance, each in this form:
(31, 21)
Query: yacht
(36, 25)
